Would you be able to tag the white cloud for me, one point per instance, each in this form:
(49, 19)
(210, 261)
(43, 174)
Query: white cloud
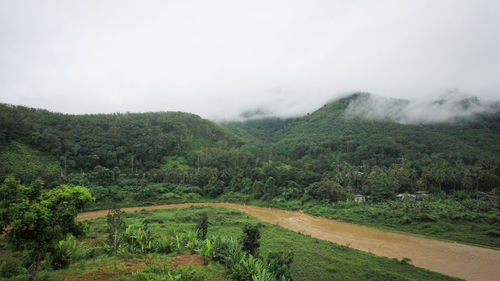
(452, 107)
(219, 58)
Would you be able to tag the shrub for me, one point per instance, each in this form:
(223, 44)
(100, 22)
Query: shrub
(206, 251)
(495, 233)
(115, 228)
(279, 263)
(226, 250)
(202, 226)
(138, 240)
(66, 251)
(246, 267)
(163, 245)
(328, 190)
(191, 241)
(250, 239)
(10, 268)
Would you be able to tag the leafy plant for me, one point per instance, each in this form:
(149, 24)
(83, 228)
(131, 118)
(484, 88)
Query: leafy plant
(227, 250)
(279, 263)
(163, 244)
(202, 226)
(66, 251)
(138, 240)
(191, 241)
(206, 251)
(36, 220)
(250, 239)
(179, 241)
(246, 268)
(116, 226)
(10, 268)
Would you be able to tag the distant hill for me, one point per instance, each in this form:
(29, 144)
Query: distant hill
(368, 136)
(340, 142)
(141, 141)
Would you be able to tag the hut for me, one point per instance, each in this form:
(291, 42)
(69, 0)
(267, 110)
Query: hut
(359, 198)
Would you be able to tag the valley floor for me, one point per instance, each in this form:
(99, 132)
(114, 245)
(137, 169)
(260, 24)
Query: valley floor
(464, 261)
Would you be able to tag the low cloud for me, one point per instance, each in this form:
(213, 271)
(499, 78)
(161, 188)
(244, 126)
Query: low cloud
(220, 58)
(450, 108)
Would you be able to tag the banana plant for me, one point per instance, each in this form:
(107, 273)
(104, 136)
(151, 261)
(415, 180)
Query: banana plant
(179, 239)
(192, 241)
(138, 239)
(263, 275)
(144, 240)
(163, 244)
(205, 251)
(172, 277)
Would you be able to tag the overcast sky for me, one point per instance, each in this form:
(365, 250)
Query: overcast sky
(219, 58)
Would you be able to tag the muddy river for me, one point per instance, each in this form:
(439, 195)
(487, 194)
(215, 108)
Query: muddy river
(454, 259)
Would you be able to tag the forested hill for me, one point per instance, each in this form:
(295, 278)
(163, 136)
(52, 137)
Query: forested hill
(134, 142)
(359, 139)
(326, 154)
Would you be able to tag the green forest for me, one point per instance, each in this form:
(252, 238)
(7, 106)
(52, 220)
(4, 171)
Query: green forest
(439, 180)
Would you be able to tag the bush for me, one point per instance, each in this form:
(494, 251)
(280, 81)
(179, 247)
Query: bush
(328, 190)
(495, 233)
(279, 264)
(250, 239)
(11, 267)
(66, 251)
(202, 226)
(115, 228)
(246, 268)
(163, 245)
(206, 251)
(138, 240)
(226, 250)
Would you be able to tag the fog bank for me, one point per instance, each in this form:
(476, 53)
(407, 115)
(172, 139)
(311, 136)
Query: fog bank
(449, 108)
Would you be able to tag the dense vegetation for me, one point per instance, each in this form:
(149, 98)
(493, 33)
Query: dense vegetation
(315, 162)
(455, 217)
(152, 246)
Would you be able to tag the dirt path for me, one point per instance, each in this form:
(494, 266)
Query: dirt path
(454, 259)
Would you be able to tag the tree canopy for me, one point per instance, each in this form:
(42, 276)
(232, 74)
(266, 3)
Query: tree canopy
(36, 220)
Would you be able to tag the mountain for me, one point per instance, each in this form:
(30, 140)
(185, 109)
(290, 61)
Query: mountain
(334, 128)
(339, 142)
(138, 141)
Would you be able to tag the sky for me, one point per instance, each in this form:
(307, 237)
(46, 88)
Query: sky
(218, 59)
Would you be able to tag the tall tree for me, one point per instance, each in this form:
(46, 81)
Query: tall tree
(37, 223)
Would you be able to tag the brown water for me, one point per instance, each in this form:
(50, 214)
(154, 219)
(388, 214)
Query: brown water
(454, 259)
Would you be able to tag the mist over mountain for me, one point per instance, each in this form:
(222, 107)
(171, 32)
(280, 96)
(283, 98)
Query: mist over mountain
(222, 58)
(451, 108)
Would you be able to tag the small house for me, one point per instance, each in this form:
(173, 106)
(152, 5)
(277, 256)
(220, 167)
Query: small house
(359, 198)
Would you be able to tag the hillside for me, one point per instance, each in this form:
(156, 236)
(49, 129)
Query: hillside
(359, 138)
(316, 163)
(132, 142)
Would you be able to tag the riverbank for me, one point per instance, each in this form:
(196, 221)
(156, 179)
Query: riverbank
(454, 259)
(471, 221)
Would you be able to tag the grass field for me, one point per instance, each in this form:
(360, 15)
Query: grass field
(313, 259)
(457, 217)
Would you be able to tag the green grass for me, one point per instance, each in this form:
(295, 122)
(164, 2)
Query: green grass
(474, 221)
(470, 221)
(465, 220)
(313, 259)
